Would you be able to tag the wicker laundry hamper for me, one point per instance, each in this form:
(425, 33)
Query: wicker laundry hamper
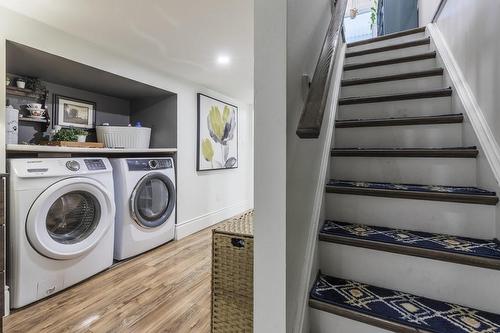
(232, 275)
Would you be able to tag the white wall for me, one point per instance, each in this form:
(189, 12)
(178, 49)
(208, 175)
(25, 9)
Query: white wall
(203, 198)
(307, 23)
(270, 166)
(426, 10)
(468, 30)
(471, 29)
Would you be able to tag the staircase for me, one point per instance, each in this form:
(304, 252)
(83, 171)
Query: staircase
(408, 244)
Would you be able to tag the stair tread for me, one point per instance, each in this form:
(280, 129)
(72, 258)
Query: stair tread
(388, 36)
(396, 97)
(463, 152)
(463, 194)
(393, 77)
(390, 61)
(416, 42)
(400, 121)
(464, 250)
(396, 310)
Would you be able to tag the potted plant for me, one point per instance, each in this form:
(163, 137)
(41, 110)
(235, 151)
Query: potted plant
(35, 84)
(81, 134)
(21, 82)
(71, 134)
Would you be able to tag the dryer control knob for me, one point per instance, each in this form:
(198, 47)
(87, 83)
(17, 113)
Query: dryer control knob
(73, 165)
(153, 164)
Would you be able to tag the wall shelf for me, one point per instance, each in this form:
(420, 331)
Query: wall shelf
(20, 149)
(15, 91)
(34, 120)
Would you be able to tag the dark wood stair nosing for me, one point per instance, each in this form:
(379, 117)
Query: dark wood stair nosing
(403, 121)
(391, 61)
(416, 195)
(393, 77)
(426, 153)
(387, 37)
(362, 317)
(414, 251)
(414, 43)
(446, 92)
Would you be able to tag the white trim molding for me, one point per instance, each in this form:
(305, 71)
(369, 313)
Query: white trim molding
(487, 140)
(312, 236)
(198, 223)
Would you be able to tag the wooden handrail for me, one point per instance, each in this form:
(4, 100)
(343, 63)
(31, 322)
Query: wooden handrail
(314, 108)
(438, 11)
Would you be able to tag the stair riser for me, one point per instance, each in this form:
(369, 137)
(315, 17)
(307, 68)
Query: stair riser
(406, 108)
(462, 284)
(392, 41)
(393, 87)
(325, 322)
(406, 67)
(404, 52)
(410, 136)
(406, 170)
(467, 220)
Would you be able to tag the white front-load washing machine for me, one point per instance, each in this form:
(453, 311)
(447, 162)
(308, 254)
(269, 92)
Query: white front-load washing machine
(61, 224)
(145, 204)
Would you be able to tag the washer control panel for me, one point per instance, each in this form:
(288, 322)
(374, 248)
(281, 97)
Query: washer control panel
(95, 164)
(149, 164)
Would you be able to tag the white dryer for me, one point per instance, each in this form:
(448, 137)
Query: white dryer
(61, 224)
(145, 204)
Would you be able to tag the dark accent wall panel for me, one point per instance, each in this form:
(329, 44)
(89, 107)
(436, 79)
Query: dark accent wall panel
(159, 113)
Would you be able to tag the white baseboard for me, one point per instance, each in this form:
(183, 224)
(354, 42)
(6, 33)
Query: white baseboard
(196, 224)
(484, 134)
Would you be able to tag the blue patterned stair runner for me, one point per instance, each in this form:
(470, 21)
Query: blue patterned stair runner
(411, 187)
(401, 308)
(424, 240)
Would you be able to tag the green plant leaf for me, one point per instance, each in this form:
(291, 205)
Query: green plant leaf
(69, 134)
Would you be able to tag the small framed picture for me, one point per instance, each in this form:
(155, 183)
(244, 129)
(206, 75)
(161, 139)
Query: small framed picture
(72, 112)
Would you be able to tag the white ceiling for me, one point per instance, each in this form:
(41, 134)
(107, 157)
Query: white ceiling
(182, 38)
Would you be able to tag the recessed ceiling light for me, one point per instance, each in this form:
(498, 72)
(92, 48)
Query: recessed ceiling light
(223, 59)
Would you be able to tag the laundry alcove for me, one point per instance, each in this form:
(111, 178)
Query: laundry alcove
(119, 101)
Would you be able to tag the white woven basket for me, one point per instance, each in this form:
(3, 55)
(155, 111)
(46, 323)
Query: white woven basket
(123, 136)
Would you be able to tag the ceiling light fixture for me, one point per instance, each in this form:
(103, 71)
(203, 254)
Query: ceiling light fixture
(223, 59)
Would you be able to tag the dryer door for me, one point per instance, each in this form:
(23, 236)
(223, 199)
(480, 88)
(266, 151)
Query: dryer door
(153, 200)
(69, 218)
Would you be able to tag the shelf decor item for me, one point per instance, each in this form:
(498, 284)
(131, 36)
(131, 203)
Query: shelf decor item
(69, 134)
(217, 134)
(72, 112)
(11, 124)
(7, 81)
(124, 136)
(232, 275)
(20, 83)
(72, 137)
(74, 144)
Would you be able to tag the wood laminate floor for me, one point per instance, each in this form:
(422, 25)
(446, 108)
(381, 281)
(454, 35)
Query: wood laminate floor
(164, 290)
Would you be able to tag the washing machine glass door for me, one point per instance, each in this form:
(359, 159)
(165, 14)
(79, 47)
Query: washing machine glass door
(153, 200)
(69, 218)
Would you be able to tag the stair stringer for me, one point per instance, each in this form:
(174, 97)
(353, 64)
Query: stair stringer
(317, 214)
(476, 130)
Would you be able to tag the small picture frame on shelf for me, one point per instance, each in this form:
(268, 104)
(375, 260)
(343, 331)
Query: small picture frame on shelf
(73, 112)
